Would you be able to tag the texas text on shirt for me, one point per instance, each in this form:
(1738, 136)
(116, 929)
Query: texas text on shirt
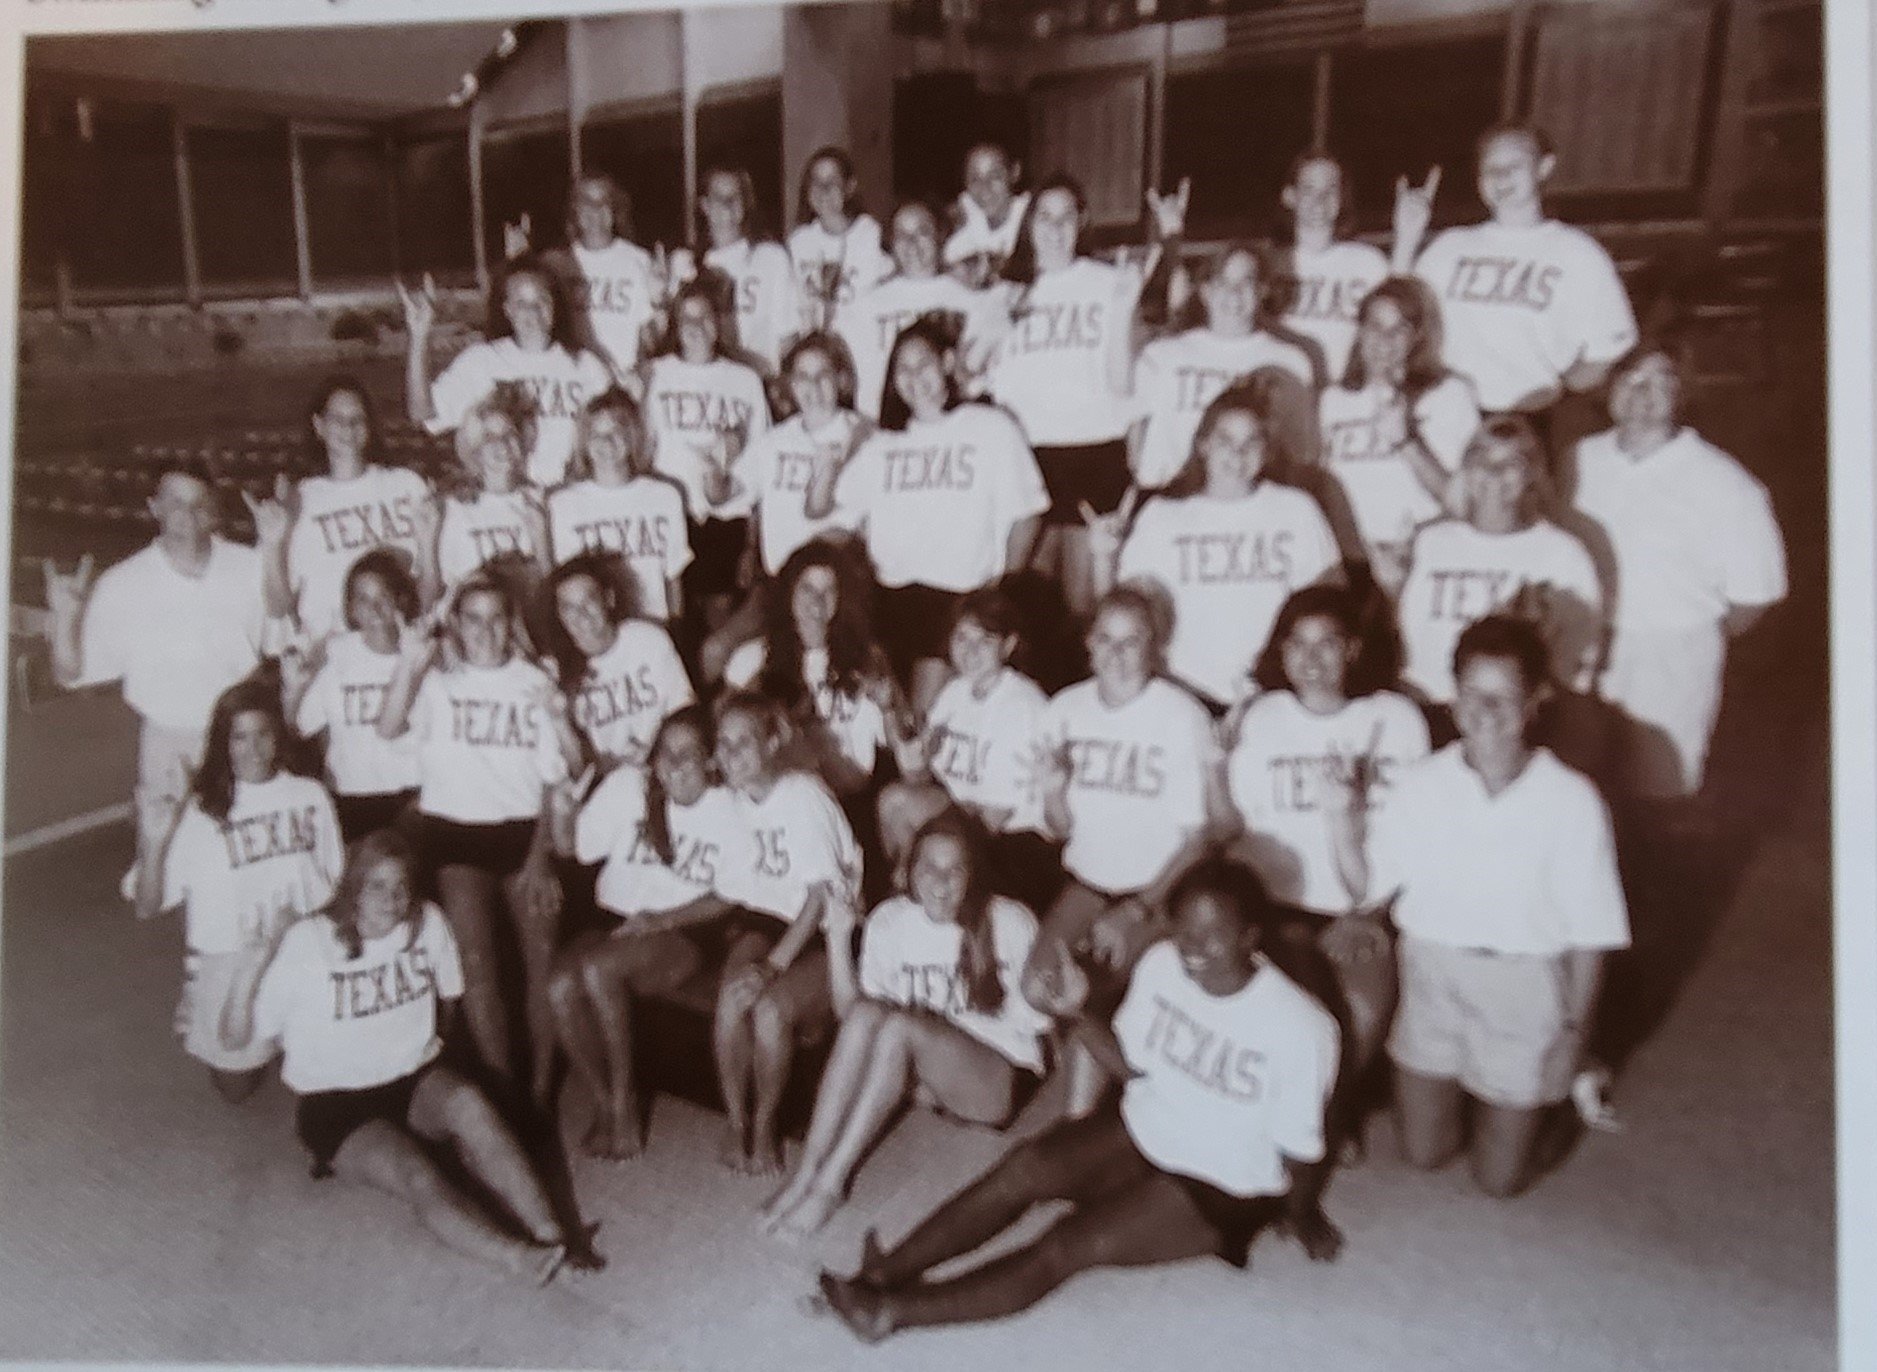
(643, 521)
(688, 407)
(1176, 378)
(855, 720)
(939, 499)
(485, 527)
(910, 959)
(629, 689)
(558, 383)
(1229, 566)
(344, 703)
(1460, 575)
(833, 270)
(707, 840)
(983, 750)
(1137, 781)
(1530, 870)
(337, 523)
(1051, 366)
(177, 642)
(1388, 500)
(1322, 290)
(1228, 1087)
(613, 293)
(778, 465)
(1521, 306)
(351, 1023)
(485, 748)
(799, 839)
(275, 859)
(1277, 772)
(767, 305)
(870, 324)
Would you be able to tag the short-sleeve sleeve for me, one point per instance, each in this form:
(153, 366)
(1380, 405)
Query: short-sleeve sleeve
(315, 713)
(672, 682)
(1447, 417)
(678, 546)
(1585, 886)
(617, 803)
(331, 848)
(745, 665)
(274, 997)
(469, 377)
(445, 959)
(856, 479)
(1021, 492)
(106, 630)
(1755, 569)
(1306, 1076)
(184, 860)
(829, 852)
(1140, 549)
(592, 373)
(876, 956)
(1316, 551)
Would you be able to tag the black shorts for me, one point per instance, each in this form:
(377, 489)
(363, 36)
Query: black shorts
(362, 815)
(1095, 473)
(324, 1120)
(1027, 867)
(717, 938)
(1237, 1220)
(498, 849)
(717, 547)
(914, 622)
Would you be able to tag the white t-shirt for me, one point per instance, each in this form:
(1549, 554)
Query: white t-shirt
(875, 318)
(1321, 293)
(768, 308)
(1460, 575)
(476, 530)
(1520, 307)
(778, 465)
(797, 837)
(344, 702)
(831, 269)
(1692, 531)
(855, 721)
(707, 841)
(559, 383)
(937, 501)
(1530, 870)
(975, 235)
(1051, 366)
(983, 751)
(629, 689)
(1176, 378)
(340, 521)
(1276, 773)
(175, 641)
(1229, 1086)
(1229, 566)
(614, 292)
(686, 405)
(1387, 498)
(1137, 784)
(275, 860)
(484, 748)
(643, 521)
(346, 1024)
(908, 958)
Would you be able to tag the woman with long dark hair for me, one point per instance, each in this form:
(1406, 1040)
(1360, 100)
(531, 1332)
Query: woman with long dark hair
(835, 247)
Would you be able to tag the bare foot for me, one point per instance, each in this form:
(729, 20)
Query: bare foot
(544, 1263)
(765, 1160)
(861, 1308)
(627, 1136)
(730, 1150)
(597, 1142)
(811, 1213)
(787, 1196)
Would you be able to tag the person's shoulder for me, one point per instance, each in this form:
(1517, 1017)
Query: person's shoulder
(744, 663)
(432, 928)
(1012, 919)
(312, 939)
(1274, 991)
(1389, 707)
(1074, 698)
(1569, 238)
(1562, 785)
(1456, 238)
(1442, 533)
(770, 254)
(1170, 698)
(1014, 688)
(1159, 965)
(891, 915)
(1715, 465)
(1268, 710)
(302, 790)
(526, 674)
(1291, 501)
(804, 789)
(235, 559)
(1353, 254)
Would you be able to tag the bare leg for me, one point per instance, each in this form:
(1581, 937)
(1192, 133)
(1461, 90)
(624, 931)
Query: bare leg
(841, 1083)
(611, 972)
(447, 1108)
(469, 899)
(580, 1036)
(1428, 1118)
(1501, 1158)
(235, 1087)
(798, 997)
(381, 1156)
(1078, 578)
(539, 935)
(731, 1042)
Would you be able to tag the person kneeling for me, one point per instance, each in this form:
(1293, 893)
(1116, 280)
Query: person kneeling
(1217, 1132)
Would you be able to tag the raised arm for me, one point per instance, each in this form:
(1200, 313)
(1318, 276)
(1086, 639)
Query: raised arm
(420, 315)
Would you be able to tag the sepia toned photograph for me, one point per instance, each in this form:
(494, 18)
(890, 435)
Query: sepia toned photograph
(893, 683)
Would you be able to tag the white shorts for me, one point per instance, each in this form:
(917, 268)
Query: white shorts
(208, 981)
(1493, 1022)
(1668, 684)
(166, 763)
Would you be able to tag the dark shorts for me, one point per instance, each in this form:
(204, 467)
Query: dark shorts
(722, 937)
(362, 815)
(914, 622)
(1027, 867)
(1237, 1220)
(1095, 473)
(717, 546)
(324, 1120)
(498, 849)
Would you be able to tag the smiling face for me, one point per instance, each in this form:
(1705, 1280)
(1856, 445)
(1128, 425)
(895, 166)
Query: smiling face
(813, 601)
(915, 242)
(745, 750)
(724, 210)
(1233, 451)
(990, 180)
(919, 377)
(185, 512)
(496, 452)
(939, 874)
(481, 621)
(1055, 223)
(977, 654)
(581, 605)
(828, 187)
(1493, 707)
(1384, 338)
(1215, 944)
(815, 384)
(1121, 651)
(1315, 198)
(528, 305)
(697, 329)
(1498, 480)
(252, 746)
(1647, 396)
(593, 213)
(372, 608)
(609, 443)
(682, 764)
(343, 429)
(1231, 295)
(384, 898)
(1316, 654)
(1512, 175)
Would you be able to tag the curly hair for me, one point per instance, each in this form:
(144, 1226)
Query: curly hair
(852, 648)
(977, 954)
